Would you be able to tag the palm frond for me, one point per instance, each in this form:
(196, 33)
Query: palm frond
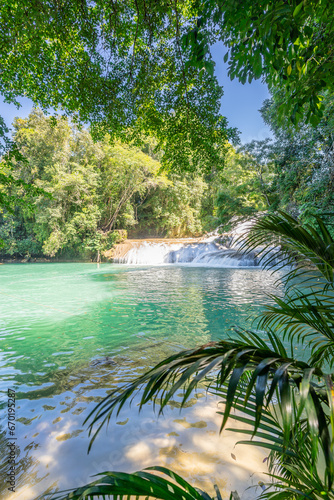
(296, 443)
(281, 236)
(268, 366)
(141, 484)
(288, 403)
(302, 484)
(306, 318)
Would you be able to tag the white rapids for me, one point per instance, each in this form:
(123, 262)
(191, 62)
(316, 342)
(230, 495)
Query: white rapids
(203, 253)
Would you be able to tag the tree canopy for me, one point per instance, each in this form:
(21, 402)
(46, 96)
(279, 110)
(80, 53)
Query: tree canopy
(289, 43)
(140, 66)
(118, 66)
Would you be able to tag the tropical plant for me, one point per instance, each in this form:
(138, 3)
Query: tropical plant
(289, 43)
(287, 399)
(142, 484)
(13, 191)
(89, 186)
(303, 160)
(94, 188)
(174, 207)
(119, 68)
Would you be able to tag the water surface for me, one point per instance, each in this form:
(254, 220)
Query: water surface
(70, 332)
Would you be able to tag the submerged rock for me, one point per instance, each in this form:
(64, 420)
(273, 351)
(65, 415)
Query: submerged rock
(103, 361)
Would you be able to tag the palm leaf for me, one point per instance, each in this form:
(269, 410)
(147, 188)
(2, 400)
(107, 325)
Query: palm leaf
(302, 484)
(287, 402)
(295, 443)
(141, 484)
(280, 236)
(304, 317)
(290, 461)
(228, 361)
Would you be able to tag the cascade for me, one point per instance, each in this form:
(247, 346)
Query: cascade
(201, 253)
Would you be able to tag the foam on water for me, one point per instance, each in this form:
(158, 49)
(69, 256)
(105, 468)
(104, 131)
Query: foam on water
(205, 253)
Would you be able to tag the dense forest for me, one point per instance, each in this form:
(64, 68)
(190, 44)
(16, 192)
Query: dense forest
(91, 194)
(95, 192)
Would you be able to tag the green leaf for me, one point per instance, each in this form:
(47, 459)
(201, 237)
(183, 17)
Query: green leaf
(141, 484)
(209, 67)
(257, 64)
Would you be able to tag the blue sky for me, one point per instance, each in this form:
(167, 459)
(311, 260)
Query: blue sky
(240, 103)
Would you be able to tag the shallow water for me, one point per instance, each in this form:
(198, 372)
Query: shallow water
(70, 332)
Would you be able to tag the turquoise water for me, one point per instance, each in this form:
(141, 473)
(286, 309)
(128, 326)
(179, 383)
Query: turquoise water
(70, 332)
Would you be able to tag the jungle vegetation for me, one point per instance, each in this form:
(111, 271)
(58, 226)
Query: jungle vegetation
(96, 189)
(83, 194)
(140, 72)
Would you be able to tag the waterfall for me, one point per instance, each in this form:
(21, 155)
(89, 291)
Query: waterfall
(205, 253)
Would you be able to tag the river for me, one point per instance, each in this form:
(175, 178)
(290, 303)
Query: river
(71, 332)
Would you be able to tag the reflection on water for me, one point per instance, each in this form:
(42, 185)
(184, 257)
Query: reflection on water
(71, 332)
